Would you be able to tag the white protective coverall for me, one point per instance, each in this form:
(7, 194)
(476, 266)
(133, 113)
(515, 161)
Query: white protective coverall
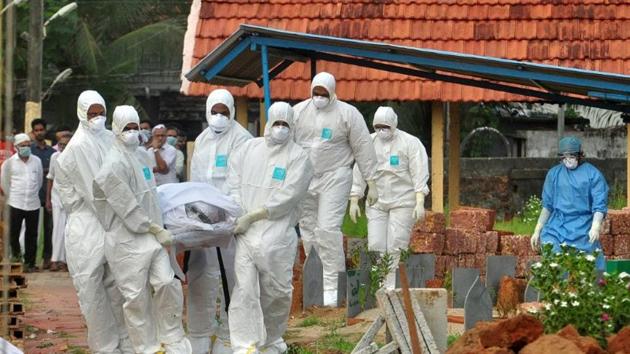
(272, 177)
(99, 298)
(401, 176)
(127, 205)
(334, 137)
(209, 164)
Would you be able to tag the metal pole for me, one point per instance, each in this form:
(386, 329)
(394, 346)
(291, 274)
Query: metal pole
(561, 109)
(34, 70)
(265, 72)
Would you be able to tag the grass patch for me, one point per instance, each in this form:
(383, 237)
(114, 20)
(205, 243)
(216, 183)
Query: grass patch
(309, 322)
(297, 349)
(335, 342)
(516, 225)
(45, 345)
(73, 349)
(616, 197)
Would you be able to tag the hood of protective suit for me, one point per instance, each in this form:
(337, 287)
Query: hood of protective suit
(326, 81)
(124, 115)
(386, 116)
(220, 96)
(85, 101)
(279, 111)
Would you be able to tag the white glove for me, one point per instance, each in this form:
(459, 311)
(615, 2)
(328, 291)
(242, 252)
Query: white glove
(355, 210)
(243, 223)
(418, 211)
(593, 234)
(535, 239)
(372, 195)
(163, 236)
(542, 220)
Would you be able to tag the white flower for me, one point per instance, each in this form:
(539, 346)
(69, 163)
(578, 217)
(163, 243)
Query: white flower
(563, 304)
(606, 274)
(590, 258)
(598, 249)
(624, 275)
(547, 307)
(532, 310)
(563, 244)
(625, 299)
(556, 301)
(553, 265)
(536, 265)
(606, 306)
(575, 303)
(572, 295)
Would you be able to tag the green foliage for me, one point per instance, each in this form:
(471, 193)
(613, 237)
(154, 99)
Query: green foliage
(297, 349)
(335, 342)
(107, 44)
(525, 221)
(479, 115)
(572, 294)
(617, 197)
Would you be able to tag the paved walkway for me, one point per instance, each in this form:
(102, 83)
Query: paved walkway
(53, 321)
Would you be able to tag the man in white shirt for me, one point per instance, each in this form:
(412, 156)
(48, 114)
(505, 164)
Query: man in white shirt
(22, 176)
(164, 156)
(172, 135)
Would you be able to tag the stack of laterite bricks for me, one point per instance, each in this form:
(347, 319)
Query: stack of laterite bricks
(615, 234)
(467, 241)
(12, 310)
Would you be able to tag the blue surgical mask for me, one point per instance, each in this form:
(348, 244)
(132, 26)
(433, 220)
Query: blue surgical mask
(171, 140)
(24, 151)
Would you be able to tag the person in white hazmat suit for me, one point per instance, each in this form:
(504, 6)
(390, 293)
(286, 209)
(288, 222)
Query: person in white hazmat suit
(268, 177)
(402, 174)
(99, 298)
(126, 202)
(209, 164)
(334, 134)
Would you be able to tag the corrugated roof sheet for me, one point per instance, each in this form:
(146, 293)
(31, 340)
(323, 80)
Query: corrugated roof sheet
(587, 34)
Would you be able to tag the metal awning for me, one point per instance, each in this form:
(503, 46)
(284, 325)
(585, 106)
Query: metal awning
(258, 54)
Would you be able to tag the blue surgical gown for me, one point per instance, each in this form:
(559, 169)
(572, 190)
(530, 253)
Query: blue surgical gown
(572, 197)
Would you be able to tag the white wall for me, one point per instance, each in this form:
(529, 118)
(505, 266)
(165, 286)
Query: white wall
(600, 143)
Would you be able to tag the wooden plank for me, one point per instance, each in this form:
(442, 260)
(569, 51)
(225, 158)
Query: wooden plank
(368, 337)
(454, 155)
(402, 322)
(392, 322)
(370, 349)
(388, 348)
(428, 342)
(262, 119)
(628, 164)
(241, 111)
(414, 336)
(437, 157)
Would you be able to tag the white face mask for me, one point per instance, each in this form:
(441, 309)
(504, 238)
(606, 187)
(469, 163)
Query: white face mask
(130, 138)
(97, 123)
(320, 101)
(384, 133)
(279, 134)
(570, 162)
(218, 123)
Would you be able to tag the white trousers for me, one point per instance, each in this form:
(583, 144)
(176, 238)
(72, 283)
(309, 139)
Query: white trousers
(389, 231)
(322, 213)
(206, 306)
(59, 233)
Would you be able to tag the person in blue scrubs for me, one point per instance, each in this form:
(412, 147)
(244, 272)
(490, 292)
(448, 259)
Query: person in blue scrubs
(575, 202)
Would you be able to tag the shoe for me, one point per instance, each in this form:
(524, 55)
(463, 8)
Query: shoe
(55, 267)
(46, 264)
(63, 267)
(200, 345)
(181, 346)
(31, 269)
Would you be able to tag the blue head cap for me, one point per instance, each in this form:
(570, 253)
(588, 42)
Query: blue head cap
(569, 145)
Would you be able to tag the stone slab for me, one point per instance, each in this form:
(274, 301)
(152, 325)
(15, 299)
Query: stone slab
(496, 268)
(478, 305)
(313, 280)
(463, 279)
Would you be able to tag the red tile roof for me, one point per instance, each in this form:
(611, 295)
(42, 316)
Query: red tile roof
(587, 34)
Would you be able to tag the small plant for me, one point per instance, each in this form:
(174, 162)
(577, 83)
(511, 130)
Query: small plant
(617, 197)
(310, 321)
(531, 210)
(572, 293)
